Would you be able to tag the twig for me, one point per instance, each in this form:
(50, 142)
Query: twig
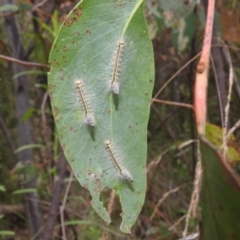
(24, 63)
(62, 207)
(164, 198)
(35, 7)
(192, 210)
(173, 103)
(231, 131)
(175, 74)
(191, 237)
(201, 82)
(225, 127)
(53, 211)
(159, 157)
(177, 222)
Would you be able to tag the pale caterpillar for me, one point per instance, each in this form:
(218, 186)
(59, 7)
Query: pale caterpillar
(124, 173)
(116, 68)
(89, 118)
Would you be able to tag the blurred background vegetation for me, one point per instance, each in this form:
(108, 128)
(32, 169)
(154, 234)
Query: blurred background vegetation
(32, 190)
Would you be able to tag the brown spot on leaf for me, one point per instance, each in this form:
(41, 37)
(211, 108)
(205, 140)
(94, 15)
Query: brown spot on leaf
(88, 32)
(56, 62)
(98, 183)
(77, 12)
(64, 49)
(55, 111)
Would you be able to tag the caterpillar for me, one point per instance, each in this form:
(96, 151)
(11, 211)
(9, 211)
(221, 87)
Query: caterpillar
(89, 118)
(115, 88)
(124, 173)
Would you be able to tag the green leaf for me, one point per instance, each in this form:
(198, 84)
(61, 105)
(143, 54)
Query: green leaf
(25, 190)
(28, 114)
(2, 188)
(6, 233)
(28, 146)
(28, 72)
(183, 32)
(214, 134)
(8, 8)
(220, 196)
(86, 50)
(77, 222)
(173, 10)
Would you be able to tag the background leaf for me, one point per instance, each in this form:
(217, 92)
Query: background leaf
(220, 196)
(8, 8)
(85, 50)
(6, 233)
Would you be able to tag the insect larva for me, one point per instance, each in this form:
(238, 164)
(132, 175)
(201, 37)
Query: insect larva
(89, 118)
(124, 173)
(116, 68)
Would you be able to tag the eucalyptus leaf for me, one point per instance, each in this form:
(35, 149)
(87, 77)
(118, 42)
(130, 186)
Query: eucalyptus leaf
(100, 86)
(220, 196)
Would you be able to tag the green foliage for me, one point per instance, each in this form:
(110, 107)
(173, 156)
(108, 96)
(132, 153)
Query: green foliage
(8, 7)
(25, 190)
(85, 50)
(2, 188)
(178, 16)
(6, 233)
(28, 146)
(220, 196)
(215, 135)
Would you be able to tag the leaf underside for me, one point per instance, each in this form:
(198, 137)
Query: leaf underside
(85, 51)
